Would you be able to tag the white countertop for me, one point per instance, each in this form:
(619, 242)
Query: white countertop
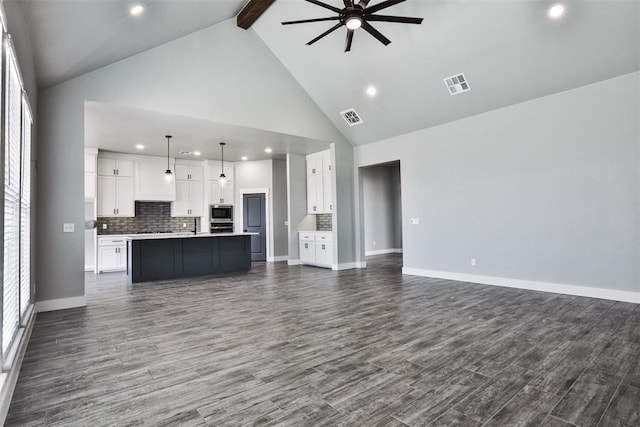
(181, 235)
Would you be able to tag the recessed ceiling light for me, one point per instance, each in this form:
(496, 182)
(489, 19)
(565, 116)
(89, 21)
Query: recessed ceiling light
(372, 91)
(556, 11)
(136, 10)
(268, 150)
(245, 158)
(140, 146)
(196, 153)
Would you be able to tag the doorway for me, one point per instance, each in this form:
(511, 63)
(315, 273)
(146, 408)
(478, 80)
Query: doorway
(382, 211)
(254, 220)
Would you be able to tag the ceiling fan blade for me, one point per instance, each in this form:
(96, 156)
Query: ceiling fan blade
(347, 46)
(329, 31)
(375, 33)
(401, 19)
(304, 21)
(348, 3)
(326, 6)
(383, 5)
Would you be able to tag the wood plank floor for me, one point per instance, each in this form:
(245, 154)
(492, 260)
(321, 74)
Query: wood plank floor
(308, 346)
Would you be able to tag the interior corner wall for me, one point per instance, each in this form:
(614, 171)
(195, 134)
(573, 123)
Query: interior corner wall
(221, 73)
(396, 205)
(297, 202)
(280, 231)
(544, 191)
(343, 220)
(378, 208)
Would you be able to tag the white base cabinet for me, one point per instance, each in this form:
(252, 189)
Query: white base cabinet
(316, 248)
(112, 253)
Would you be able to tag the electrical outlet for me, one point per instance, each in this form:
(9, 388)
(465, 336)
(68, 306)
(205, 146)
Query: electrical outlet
(415, 221)
(104, 226)
(68, 228)
(184, 225)
(473, 262)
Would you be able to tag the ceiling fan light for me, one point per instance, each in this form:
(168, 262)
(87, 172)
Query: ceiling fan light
(353, 23)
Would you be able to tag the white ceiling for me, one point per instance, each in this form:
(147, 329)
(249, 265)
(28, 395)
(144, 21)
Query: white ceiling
(119, 128)
(510, 52)
(73, 37)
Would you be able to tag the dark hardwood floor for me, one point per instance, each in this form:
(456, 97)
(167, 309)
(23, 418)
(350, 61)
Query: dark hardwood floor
(308, 346)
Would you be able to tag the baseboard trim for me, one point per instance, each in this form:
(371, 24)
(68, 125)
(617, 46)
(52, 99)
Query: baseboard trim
(293, 262)
(557, 288)
(348, 266)
(279, 258)
(60, 304)
(383, 251)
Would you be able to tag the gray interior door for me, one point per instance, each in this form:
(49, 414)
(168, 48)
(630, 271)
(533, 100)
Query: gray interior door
(254, 221)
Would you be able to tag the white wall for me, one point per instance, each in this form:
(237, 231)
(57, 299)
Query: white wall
(221, 73)
(545, 191)
(381, 194)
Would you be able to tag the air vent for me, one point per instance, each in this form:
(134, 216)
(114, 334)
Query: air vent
(351, 117)
(457, 84)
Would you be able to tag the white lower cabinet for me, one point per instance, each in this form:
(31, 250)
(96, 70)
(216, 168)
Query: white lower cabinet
(316, 248)
(112, 254)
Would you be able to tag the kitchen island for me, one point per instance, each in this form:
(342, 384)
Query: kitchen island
(161, 257)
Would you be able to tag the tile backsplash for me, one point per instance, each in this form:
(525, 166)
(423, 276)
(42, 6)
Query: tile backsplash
(151, 217)
(323, 222)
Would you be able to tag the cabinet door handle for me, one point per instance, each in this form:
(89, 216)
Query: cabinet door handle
(323, 248)
(114, 171)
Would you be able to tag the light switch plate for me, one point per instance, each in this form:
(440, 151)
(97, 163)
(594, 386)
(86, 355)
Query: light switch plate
(68, 227)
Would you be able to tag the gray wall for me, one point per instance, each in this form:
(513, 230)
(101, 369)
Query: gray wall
(280, 230)
(297, 202)
(546, 190)
(204, 78)
(382, 225)
(396, 205)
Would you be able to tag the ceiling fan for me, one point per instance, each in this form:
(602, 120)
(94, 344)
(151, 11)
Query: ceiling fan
(356, 15)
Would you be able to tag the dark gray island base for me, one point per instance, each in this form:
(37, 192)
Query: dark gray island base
(172, 257)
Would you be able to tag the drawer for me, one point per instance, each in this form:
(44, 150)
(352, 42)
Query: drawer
(307, 236)
(111, 241)
(324, 236)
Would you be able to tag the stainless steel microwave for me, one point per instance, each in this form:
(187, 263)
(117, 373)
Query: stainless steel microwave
(221, 213)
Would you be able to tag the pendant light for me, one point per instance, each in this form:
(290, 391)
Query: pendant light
(168, 175)
(222, 180)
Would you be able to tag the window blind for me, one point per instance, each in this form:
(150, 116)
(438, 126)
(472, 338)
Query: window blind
(11, 282)
(25, 211)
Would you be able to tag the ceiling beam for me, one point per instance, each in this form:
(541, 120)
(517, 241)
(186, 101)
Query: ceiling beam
(251, 12)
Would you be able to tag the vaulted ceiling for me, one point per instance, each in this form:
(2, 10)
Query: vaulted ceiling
(509, 51)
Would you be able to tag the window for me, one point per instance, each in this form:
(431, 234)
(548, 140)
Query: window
(16, 148)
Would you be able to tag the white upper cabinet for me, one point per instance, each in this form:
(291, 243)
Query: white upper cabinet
(189, 191)
(115, 196)
(218, 194)
(90, 173)
(150, 183)
(319, 183)
(215, 170)
(115, 187)
(314, 164)
(116, 167)
(189, 172)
